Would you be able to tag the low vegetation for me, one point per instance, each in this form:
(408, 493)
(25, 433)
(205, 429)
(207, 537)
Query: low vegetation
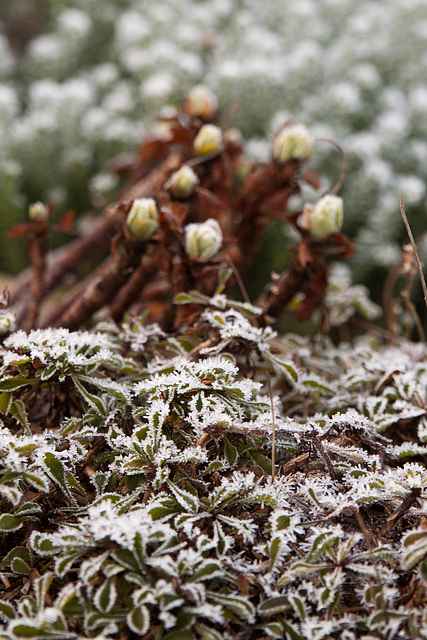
(172, 466)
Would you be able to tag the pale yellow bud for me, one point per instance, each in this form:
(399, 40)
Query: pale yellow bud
(142, 219)
(182, 183)
(202, 103)
(292, 142)
(38, 211)
(7, 322)
(203, 240)
(208, 140)
(325, 218)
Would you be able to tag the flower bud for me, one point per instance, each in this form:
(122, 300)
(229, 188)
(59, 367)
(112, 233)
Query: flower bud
(325, 217)
(142, 219)
(7, 322)
(38, 211)
(182, 183)
(208, 139)
(202, 103)
(292, 142)
(203, 240)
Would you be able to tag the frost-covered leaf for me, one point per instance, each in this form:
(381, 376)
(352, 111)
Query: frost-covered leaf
(106, 596)
(138, 619)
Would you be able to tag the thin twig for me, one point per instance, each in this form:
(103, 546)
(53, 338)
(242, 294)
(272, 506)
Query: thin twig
(273, 424)
(344, 164)
(414, 248)
(239, 280)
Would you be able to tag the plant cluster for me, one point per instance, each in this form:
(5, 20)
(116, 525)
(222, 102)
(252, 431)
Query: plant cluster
(85, 79)
(138, 496)
(171, 467)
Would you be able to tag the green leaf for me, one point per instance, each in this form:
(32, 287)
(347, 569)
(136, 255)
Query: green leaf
(286, 368)
(42, 544)
(37, 480)
(237, 604)
(223, 276)
(207, 633)
(17, 410)
(274, 630)
(64, 563)
(7, 612)
(8, 522)
(28, 509)
(10, 384)
(261, 461)
(13, 494)
(214, 466)
(192, 297)
(206, 572)
(273, 606)
(106, 596)
(27, 630)
(299, 606)
(321, 543)
(138, 620)
(41, 587)
(157, 513)
(126, 558)
(415, 548)
(93, 401)
(230, 451)
(20, 566)
(315, 384)
(184, 498)
(55, 467)
(103, 384)
(19, 552)
(178, 635)
(274, 553)
(94, 620)
(5, 402)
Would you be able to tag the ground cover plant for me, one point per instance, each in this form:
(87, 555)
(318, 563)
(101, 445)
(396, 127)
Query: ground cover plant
(171, 466)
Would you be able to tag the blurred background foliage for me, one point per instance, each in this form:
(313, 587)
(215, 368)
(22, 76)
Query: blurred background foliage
(80, 83)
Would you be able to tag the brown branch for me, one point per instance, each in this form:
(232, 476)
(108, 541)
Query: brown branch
(131, 290)
(52, 317)
(103, 289)
(37, 248)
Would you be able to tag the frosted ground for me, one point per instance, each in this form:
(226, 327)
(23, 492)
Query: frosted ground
(87, 85)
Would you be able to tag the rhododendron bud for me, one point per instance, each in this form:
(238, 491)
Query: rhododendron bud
(325, 217)
(292, 142)
(38, 211)
(201, 102)
(142, 219)
(208, 139)
(203, 239)
(7, 322)
(182, 183)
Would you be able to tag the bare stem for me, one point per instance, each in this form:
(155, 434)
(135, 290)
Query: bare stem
(414, 248)
(273, 424)
(344, 164)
